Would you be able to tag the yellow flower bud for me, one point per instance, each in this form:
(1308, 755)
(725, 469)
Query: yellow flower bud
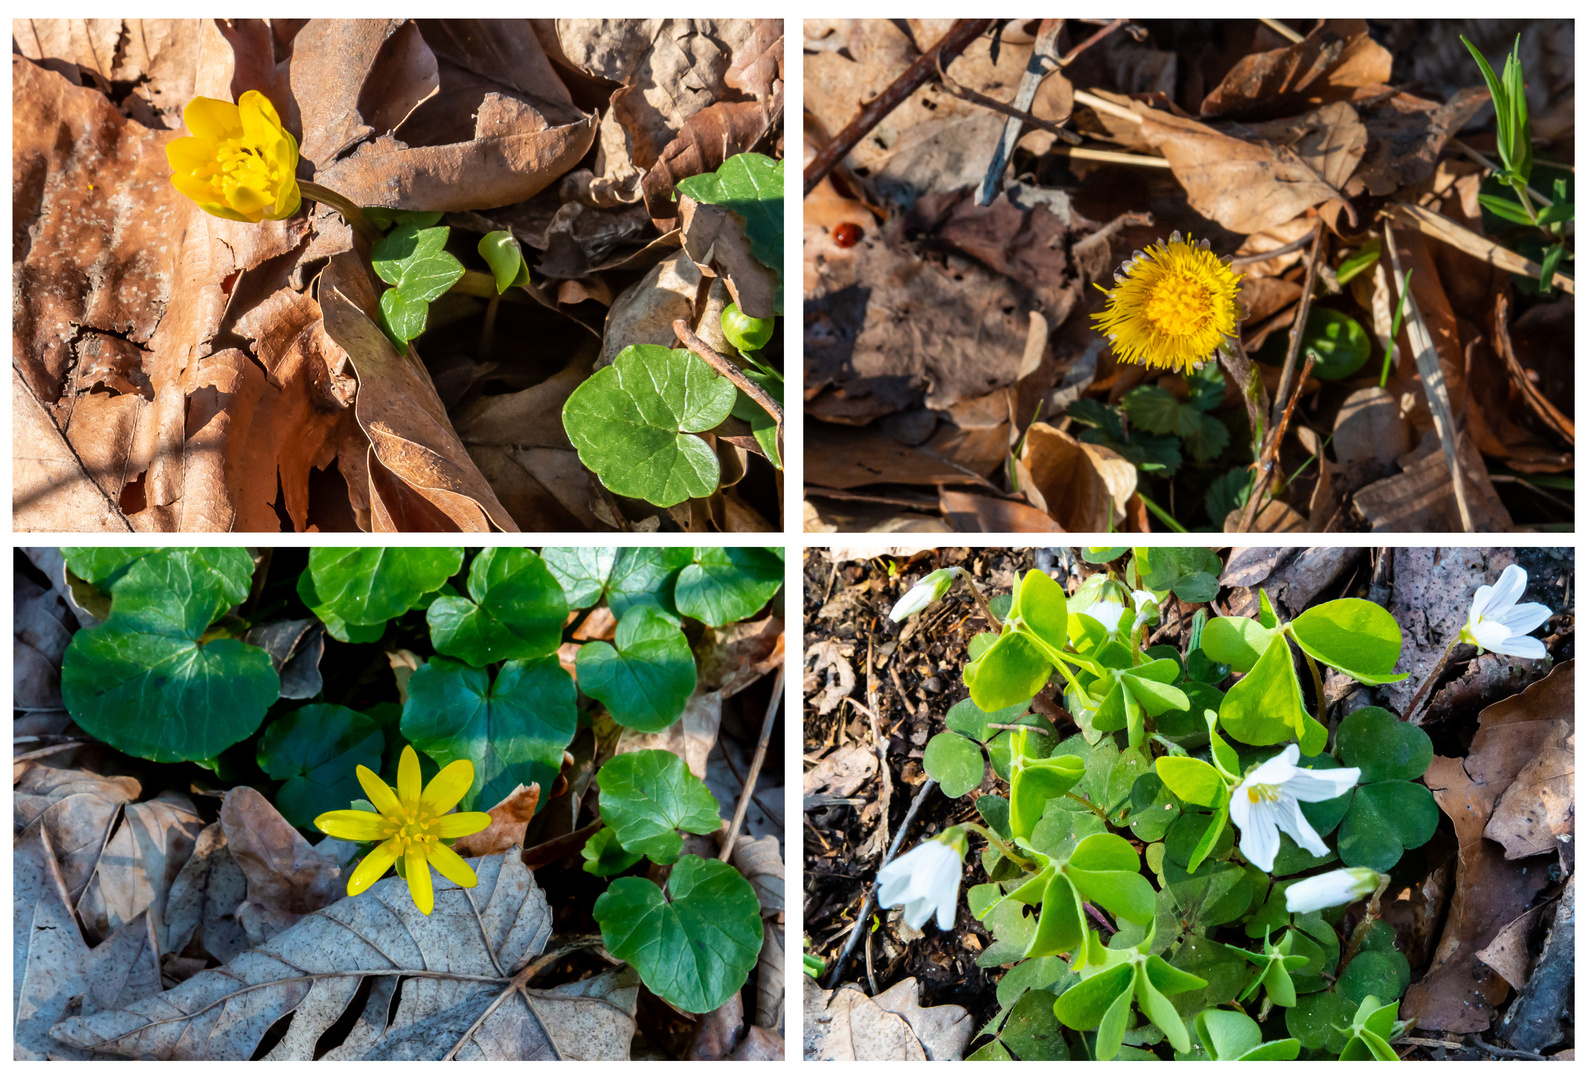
(238, 161)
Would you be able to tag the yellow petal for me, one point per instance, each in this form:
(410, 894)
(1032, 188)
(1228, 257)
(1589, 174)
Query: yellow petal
(219, 210)
(409, 780)
(451, 865)
(257, 105)
(353, 825)
(287, 201)
(373, 866)
(250, 201)
(188, 154)
(377, 791)
(419, 875)
(212, 119)
(448, 787)
(454, 826)
(193, 187)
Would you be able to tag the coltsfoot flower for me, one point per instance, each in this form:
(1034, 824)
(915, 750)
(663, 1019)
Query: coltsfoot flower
(1270, 799)
(412, 825)
(926, 879)
(238, 162)
(1172, 306)
(1331, 889)
(1501, 625)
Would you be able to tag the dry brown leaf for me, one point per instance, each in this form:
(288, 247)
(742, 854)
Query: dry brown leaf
(849, 457)
(1405, 136)
(123, 968)
(1510, 953)
(1535, 813)
(508, 829)
(1458, 993)
(52, 489)
(1422, 499)
(393, 73)
(202, 908)
(760, 862)
(645, 313)
(1330, 64)
(691, 738)
(711, 136)
(422, 475)
(50, 959)
(287, 878)
(984, 513)
(821, 658)
(732, 658)
(1083, 487)
(514, 155)
(847, 1025)
(771, 975)
(842, 772)
(715, 239)
(717, 1032)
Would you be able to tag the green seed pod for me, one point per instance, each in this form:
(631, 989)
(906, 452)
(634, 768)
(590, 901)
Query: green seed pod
(745, 333)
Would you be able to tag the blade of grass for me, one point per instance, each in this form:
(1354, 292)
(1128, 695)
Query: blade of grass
(1161, 514)
(1394, 332)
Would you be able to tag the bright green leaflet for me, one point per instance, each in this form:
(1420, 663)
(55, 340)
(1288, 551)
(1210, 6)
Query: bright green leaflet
(603, 855)
(502, 252)
(516, 610)
(1356, 636)
(147, 683)
(513, 728)
(648, 797)
(632, 423)
(1191, 573)
(752, 187)
(313, 751)
(646, 676)
(954, 763)
(581, 572)
(412, 260)
(695, 947)
(351, 589)
(725, 585)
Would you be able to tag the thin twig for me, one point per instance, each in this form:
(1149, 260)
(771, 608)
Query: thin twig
(1073, 54)
(738, 378)
(871, 685)
(974, 97)
(757, 764)
(1500, 1051)
(1268, 462)
(868, 900)
(1298, 331)
(962, 34)
(1427, 684)
(1028, 83)
(1282, 31)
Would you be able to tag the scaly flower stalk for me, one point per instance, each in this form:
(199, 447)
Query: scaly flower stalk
(412, 825)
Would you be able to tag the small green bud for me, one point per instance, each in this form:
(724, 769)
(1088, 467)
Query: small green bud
(743, 332)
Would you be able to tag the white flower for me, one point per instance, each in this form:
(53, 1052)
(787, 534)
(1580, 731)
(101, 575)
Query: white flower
(1499, 624)
(1270, 799)
(1146, 607)
(930, 588)
(1106, 612)
(1331, 889)
(926, 879)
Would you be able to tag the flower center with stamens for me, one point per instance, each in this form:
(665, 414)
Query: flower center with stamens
(1262, 792)
(1179, 305)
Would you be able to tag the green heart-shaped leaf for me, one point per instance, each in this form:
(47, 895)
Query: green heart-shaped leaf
(725, 585)
(513, 730)
(355, 590)
(1356, 636)
(412, 260)
(516, 610)
(694, 948)
(1375, 741)
(1385, 820)
(1009, 673)
(632, 423)
(647, 796)
(313, 751)
(148, 682)
(646, 676)
(604, 856)
(954, 763)
(1189, 573)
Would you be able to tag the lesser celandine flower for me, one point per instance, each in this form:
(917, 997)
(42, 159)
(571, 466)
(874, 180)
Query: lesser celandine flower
(412, 825)
(926, 880)
(1501, 625)
(1269, 800)
(238, 162)
(1173, 305)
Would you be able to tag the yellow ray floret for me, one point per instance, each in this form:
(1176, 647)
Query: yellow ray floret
(412, 825)
(1173, 305)
(238, 161)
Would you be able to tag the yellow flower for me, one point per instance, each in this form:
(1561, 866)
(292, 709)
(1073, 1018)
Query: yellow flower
(238, 162)
(412, 825)
(1173, 305)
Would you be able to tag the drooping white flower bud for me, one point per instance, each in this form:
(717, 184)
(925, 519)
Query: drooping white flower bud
(931, 587)
(1331, 889)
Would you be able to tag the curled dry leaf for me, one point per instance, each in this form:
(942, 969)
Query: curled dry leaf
(715, 241)
(202, 909)
(1458, 993)
(771, 975)
(1083, 487)
(286, 878)
(508, 829)
(848, 1025)
(761, 864)
(1329, 64)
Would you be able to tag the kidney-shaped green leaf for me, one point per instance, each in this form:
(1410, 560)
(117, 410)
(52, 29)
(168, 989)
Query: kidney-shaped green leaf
(513, 730)
(146, 681)
(633, 424)
(1009, 673)
(954, 763)
(753, 187)
(647, 796)
(313, 751)
(355, 590)
(724, 585)
(646, 676)
(695, 947)
(515, 611)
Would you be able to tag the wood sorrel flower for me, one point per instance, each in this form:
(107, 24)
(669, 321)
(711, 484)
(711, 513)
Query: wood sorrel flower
(1331, 889)
(926, 879)
(930, 588)
(1270, 799)
(238, 161)
(411, 824)
(1500, 624)
(1173, 305)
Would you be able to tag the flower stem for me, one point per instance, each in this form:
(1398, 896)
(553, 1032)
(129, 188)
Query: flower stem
(1317, 684)
(1365, 926)
(349, 212)
(999, 844)
(1427, 684)
(979, 597)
